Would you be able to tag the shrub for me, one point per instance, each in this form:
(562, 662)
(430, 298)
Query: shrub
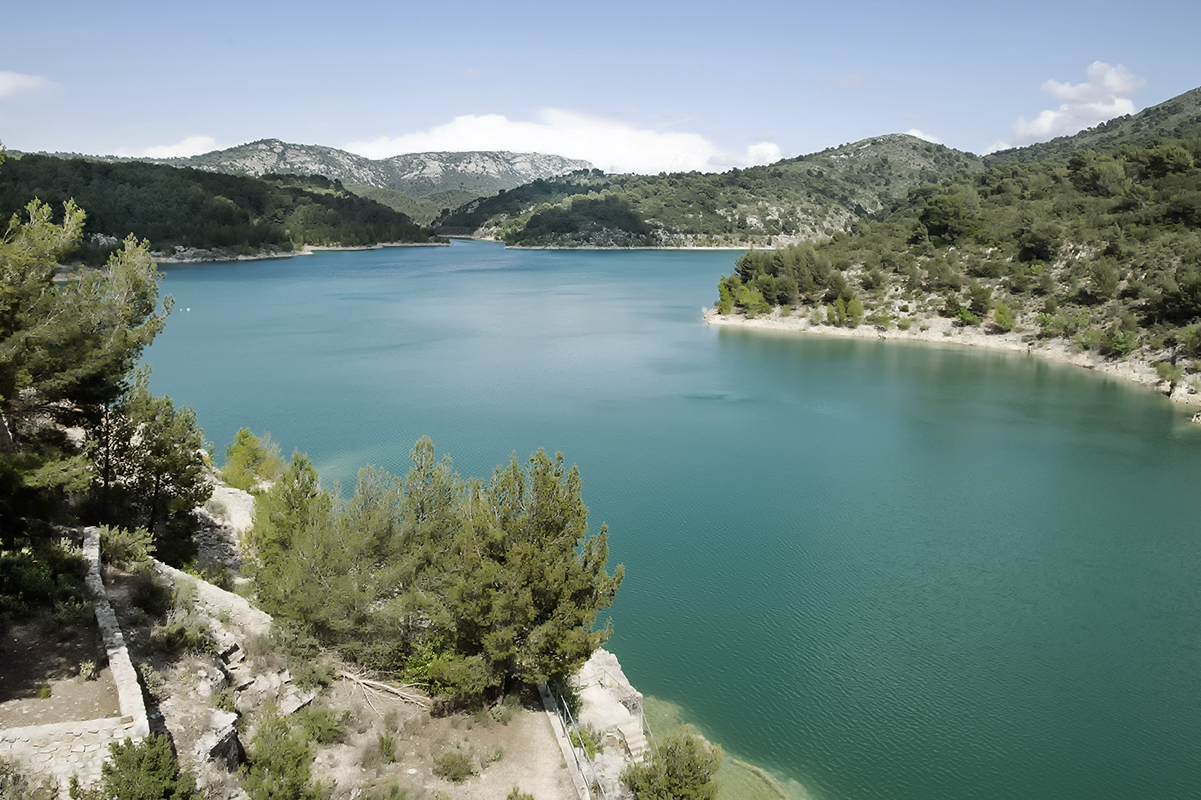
(454, 766)
(87, 670)
(124, 546)
(309, 674)
(855, 312)
(682, 767)
(183, 635)
(147, 770)
(1003, 318)
(386, 742)
(42, 579)
(587, 738)
(250, 461)
(152, 682)
(322, 725)
(517, 794)
(150, 593)
(16, 785)
(1118, 342)
(502, 713)
(280, 763)
(389, 791)
(72, 611)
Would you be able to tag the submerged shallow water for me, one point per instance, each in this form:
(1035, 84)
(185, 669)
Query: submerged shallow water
(905, 572)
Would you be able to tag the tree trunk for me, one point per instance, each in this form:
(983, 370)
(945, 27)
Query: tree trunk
(7, 445)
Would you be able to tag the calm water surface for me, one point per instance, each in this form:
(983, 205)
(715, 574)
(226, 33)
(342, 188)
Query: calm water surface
(891, 571)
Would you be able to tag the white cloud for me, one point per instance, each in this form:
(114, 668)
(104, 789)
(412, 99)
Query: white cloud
(191, 146)
(14, 84)
(1101, 97)
(925, 137)
(610, 145)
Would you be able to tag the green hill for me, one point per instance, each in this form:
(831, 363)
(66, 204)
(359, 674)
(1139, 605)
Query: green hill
(1178, 118)
(1103, 251)
(789, 201)
(190, 208)
(423, 210)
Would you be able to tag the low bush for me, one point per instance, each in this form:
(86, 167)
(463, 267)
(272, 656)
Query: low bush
(16, 785)
(386, 741)
(153, 683)
(41, 579)
(454, 766)
(124, 546)
(323, 725)
(146, 770)
(682, 766)
(280, 763)
(587, 738)
(183, 634)
(150, 593)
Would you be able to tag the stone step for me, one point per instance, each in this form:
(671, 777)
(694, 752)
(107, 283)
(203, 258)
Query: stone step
(635, 740)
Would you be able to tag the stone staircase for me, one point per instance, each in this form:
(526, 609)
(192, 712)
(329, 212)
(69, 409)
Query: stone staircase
(634, 740)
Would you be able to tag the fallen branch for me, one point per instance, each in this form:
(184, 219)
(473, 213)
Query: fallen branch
(368, 685)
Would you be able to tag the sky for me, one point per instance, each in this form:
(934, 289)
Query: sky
(630, 86)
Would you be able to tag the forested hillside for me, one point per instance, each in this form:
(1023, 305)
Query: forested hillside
(789, 201)
(1178, 118)
(190, 208)
(1103, 250)
(422, 210)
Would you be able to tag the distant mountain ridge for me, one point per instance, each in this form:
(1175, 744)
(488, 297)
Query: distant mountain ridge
(480, 172)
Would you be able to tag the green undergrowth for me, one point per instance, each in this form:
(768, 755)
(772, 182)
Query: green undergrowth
(737, 779)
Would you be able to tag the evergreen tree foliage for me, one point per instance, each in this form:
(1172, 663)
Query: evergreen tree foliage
(250, 461)
(280, 762)
(172, 207)
(1108, 245)
(470, 586)
(682, 767)
(283, 514)
(67, 355)
(806, 197)
(146, 770)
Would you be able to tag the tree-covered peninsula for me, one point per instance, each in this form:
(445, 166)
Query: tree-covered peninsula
(188, 208)
(1102, 252)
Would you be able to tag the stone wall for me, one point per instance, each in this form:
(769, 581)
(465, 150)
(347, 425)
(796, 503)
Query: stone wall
(64, 749)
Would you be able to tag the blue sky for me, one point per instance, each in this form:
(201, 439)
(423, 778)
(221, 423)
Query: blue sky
(638, 86)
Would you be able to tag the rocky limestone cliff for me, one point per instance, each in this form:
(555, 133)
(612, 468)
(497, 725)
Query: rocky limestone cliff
(414, 174)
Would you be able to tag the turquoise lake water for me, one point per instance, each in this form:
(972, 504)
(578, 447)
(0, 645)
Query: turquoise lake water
(881, 570)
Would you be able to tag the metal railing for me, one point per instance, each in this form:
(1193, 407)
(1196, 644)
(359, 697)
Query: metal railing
(580, 752)
(650, 735)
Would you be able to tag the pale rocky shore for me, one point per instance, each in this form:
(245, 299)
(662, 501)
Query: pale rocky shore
(943, 330)
(193, 255)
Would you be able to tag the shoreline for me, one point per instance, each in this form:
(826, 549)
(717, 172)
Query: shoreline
(941, 330)
(614, 248)
(729, 247)
(203, 256)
